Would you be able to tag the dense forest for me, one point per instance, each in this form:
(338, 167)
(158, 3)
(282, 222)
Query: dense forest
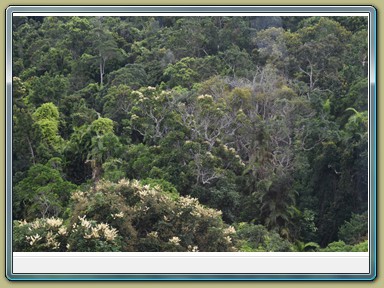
(190, 134)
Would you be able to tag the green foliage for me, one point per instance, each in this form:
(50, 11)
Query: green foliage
(102, 126)
(132, 75)
(307, 225)
(354, 230)
(256, 238)
(163, 185)
(47, 111)
(262, 118)
(340, 246)
(316, 48)
(238, 62)
(112, 170)
(271, 46)
(306, 247)
(54, 235)
(47, 88)
(40, 235)
(148, 219)
(223, 196)
(43, 193)
(90, 236)
(23, 136)
(89, 147)
(46, 119)
(360, 247)
(182, 72)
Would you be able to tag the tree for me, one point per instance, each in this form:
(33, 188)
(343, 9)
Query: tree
(104, 145)
(47, 88)
(263, 118)
(24, 141)
(237, 62)
(46, 123)
(152, 115)
(182, 72)
(150, 220)
(76, 31)
(188, 38)
(132, 75)
(118, 104)
(271, 47)
(43, 193)
(317, 48)
(89, 147)
(105, 46)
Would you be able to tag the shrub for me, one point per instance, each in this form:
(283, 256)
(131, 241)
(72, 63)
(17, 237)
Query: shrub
(337, 246)
(52, 234)
(128, 216)
(340, 246)
(355, 230)
(149, 219)
(256, 238)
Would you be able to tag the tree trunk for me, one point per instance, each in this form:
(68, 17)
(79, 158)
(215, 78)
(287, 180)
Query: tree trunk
(101, 73)
(31, 149)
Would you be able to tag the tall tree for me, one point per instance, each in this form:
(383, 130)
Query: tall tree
(105, 46)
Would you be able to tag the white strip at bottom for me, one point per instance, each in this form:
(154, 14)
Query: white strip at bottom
(212, 263)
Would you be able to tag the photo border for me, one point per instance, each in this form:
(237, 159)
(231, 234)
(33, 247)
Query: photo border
(209, 10)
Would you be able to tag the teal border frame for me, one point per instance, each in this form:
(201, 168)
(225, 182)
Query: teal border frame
(209, 10)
